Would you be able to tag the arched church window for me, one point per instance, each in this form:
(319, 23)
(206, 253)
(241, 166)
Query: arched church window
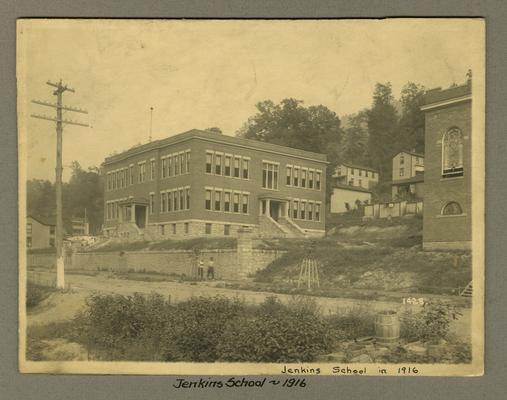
(452, 153)
(452, 208)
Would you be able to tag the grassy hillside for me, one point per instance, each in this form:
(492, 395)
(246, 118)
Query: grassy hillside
(376, 255)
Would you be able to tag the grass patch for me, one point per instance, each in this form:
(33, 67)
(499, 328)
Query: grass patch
(36, 293)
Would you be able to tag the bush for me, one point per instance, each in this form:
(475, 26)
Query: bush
(429, 325)
(276, 333)
(123, 327)
(353, 323)
(35, 293)
(196, 326)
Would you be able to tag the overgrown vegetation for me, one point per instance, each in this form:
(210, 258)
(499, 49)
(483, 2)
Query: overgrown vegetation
(151, 328)
(35, 294)
(137, 327)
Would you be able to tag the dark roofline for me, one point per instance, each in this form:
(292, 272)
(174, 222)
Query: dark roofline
(41, 220)
(358, 166)
(219, 138)
(351, 188)
(437, 95)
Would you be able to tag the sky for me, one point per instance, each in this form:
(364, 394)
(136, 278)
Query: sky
(201, 74)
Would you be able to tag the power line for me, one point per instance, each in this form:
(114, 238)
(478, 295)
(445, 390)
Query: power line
(60, 88)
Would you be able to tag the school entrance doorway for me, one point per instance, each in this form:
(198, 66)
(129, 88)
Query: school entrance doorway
(136, 211)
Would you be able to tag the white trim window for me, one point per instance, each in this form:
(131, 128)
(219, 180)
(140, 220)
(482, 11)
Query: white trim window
(288, 179)
(218, 200)
(141, 171)
(209, 162)
(207, 199)
(152, 169)
(452, 153)
(227, 165)
(244, 204)
(235, 202)
(152, 203)
(227, 201)
(218, 164)
(246, 168)
(318, 175)
(270, 175)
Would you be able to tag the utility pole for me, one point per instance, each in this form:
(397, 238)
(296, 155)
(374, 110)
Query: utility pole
(58, 92)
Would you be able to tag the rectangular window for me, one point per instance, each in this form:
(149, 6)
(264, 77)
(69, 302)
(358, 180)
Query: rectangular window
(170, 171)
(295, 210)
(170, 196)
(52, 230)
(207, 229)
(182, 199)
(142, 172)
(187, 203)
(236, 167)
(402, 171)
(227, 201)
(289, 176)
(402, 160)
(303, 210)
(174, 229)
(176, 164)
(188, 161)
(310, 211)
(51, 242)
(131, 174)
(207, 201)
(152, 169)
(163, 202)
(152, 203)
(28, 229)
(317, 180)
(310, 179)
(303, 177)
(182, 163)
(269, 175)
(296, 177)
(227, 164)
(162, 230)
(244, 209)
(218, 200)
(236, 202)
(245, 168)
(176, 202)
(29, 241)
(164, 168)
(209, 161)
(317, 212)
(186, 228)
(218, 164)
(227, 230)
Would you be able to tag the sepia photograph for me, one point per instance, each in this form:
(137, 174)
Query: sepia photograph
(248, 197)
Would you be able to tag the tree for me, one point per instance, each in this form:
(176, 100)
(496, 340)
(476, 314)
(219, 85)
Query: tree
(383, 139)
(354, 145)
(83, 191)
(314, 128)
(412, 118)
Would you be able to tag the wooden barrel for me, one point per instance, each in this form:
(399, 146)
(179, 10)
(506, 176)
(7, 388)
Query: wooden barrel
(387, 327)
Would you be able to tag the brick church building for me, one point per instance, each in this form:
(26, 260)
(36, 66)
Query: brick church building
(447, 176)
(203, 183)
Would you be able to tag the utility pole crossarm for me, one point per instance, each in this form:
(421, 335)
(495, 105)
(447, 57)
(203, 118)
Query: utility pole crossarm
(59, 86)
(67, 108)
(63, 121)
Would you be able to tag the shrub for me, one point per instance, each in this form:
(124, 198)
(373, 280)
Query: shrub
(276, 333)
(196, 327)
(115, 325)
(431, 324)
(352, 323)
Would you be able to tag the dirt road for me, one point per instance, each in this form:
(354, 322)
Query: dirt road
(64, 306)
